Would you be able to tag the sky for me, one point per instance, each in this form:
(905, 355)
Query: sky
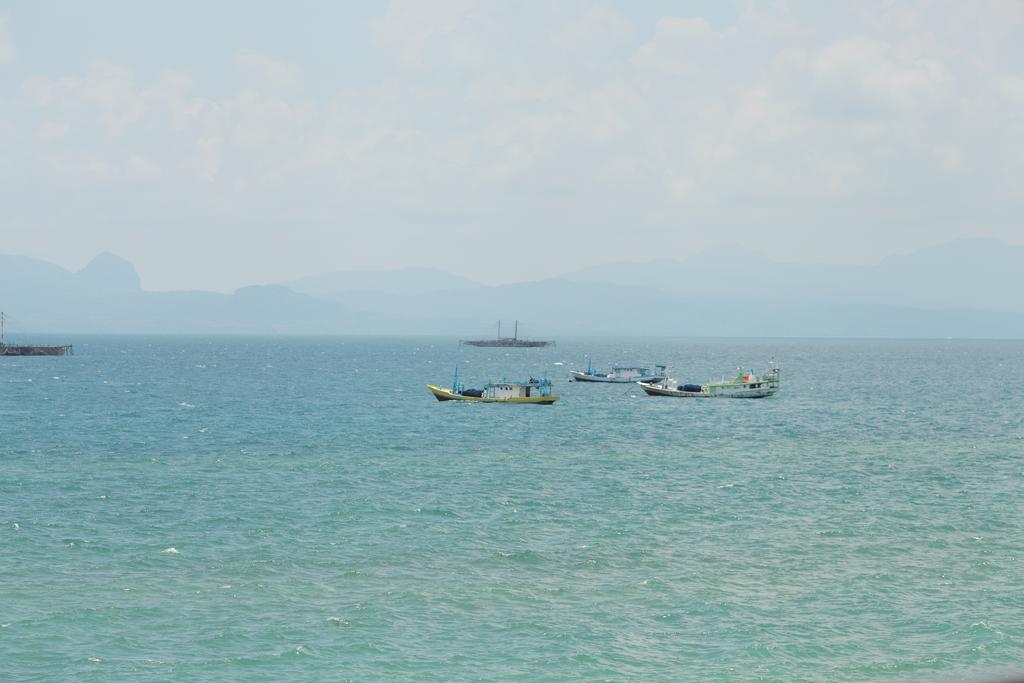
(217, 145)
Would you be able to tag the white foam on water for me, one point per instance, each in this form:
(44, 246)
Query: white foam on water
(16, 526)
(183, 404)
(171, 551)
(95, 660)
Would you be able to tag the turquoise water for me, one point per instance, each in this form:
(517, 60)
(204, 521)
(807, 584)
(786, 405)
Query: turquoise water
(330, 520)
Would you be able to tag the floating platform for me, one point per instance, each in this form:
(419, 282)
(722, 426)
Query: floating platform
(507, 342)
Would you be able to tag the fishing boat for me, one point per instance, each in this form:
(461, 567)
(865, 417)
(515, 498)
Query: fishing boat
(537, 391)
(503, 342)
(744, 385)
(619, 374)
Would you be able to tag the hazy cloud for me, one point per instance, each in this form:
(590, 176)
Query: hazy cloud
(421, 34)
(525, 129)
(6, 41)
(107, 93)
(272, 72)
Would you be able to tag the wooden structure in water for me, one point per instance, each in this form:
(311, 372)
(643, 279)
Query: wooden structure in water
(30, 349)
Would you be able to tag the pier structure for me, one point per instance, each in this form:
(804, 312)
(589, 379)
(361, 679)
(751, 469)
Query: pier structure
(30, 349)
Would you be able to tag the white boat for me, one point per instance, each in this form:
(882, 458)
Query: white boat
(620, 374)
(744, 385)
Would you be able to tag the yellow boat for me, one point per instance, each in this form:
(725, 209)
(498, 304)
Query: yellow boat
(537, 391)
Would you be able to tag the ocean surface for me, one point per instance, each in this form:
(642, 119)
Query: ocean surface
(210, 508)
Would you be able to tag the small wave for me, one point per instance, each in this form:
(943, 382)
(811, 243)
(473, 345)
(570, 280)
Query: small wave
(184, 404)
(439, 512)
(171, 551)
(338, 621)
(95, 660)
(529, 557)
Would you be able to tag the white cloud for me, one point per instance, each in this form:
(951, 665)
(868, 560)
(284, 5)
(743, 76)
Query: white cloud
(138, 166)
(6, 41)
(595, 28)
(273, 72)
(209, 155)
(883, 71)
(108, 92)
(679, 45)
(418, 33)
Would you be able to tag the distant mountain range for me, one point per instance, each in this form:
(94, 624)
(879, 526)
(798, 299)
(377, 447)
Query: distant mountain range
(968, 288)
(401, 281)
(980, 274)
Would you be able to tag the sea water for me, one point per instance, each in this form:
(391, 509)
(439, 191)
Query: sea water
(302, 508)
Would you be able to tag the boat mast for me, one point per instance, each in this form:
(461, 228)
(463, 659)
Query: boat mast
(2, 328)
(515, 334)
(499, 329)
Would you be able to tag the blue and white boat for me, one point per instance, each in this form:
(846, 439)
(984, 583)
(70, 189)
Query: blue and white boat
(620, 374)
(532, 390)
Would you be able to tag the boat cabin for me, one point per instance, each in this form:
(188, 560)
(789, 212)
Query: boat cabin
(522, 389)
(629, 372)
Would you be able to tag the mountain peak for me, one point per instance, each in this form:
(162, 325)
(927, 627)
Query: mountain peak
(109, 271)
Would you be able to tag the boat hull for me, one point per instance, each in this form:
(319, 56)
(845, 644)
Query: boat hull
(653, 390)
(442, 394)
(507, 343)
(584, 377)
